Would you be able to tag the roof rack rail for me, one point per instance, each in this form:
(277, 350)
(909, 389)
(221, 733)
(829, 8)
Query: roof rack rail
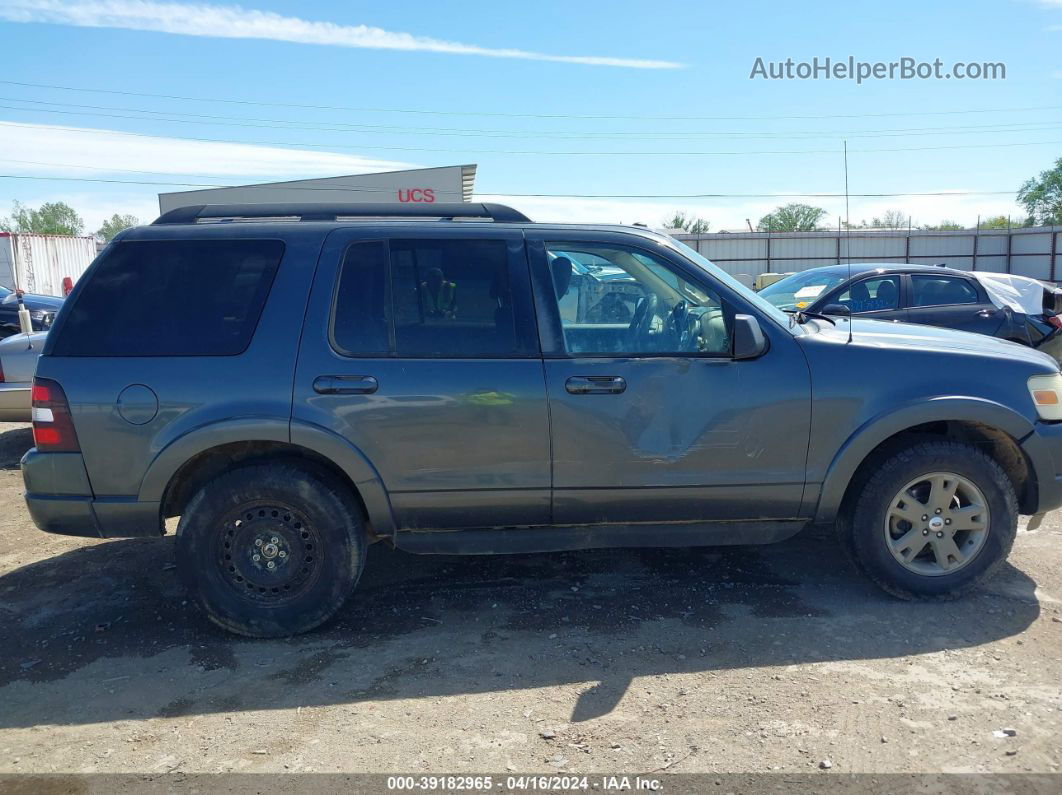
(331, 212)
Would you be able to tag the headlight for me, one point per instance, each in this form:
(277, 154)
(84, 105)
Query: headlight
(1046, 391)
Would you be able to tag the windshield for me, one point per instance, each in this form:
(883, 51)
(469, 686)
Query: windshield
(749, 295)
(800, 290)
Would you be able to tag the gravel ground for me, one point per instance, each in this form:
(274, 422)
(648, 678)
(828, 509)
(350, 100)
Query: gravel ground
(706, 660)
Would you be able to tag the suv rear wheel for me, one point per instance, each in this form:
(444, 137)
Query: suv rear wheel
(935, 520)
(270, 550)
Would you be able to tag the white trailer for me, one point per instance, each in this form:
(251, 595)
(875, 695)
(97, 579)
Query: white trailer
(39, 263)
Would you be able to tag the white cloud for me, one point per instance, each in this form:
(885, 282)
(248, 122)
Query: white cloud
(235, 22)
(39, 146)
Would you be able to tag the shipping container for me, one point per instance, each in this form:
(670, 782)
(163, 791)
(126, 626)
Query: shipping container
(39, 263)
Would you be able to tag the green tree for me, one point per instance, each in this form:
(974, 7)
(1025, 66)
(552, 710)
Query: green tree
(997, 222)
(52, 218)
(793, 217)
(688, 223)
(115, 224)
(942, 226)
(891, 219)
(1041, 196)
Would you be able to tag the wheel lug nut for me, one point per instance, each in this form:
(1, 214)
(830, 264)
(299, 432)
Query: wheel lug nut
(258, 542)
(940, 534)
(272, 565)
(256, 558)
(925, 532)
(947, 521)
(938, 510)
(925, 516)
(275, 540)
(283, 554)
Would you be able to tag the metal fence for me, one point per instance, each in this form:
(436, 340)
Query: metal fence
(1031, 251)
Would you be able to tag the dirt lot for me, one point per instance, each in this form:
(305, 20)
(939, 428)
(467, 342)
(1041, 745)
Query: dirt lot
(742, 659)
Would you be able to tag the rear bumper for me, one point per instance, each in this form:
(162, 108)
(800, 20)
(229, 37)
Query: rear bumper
(60, 500)
(1044, 449)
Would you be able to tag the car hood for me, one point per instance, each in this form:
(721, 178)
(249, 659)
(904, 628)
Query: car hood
(49, 303)
(885, 334)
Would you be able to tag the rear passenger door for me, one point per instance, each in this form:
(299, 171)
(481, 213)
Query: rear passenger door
(420, 348)
(953, 302)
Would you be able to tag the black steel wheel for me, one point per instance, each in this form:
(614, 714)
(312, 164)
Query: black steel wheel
(272, 549)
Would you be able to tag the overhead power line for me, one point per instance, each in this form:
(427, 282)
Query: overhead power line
(540, 153)
(361, 189)
(183, 117)
(498, 114)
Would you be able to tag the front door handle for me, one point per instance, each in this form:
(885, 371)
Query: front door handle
(595, 385)
(345, 385)
(987, 313)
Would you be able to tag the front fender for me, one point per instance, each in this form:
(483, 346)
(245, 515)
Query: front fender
(882, 426)
(311, 437)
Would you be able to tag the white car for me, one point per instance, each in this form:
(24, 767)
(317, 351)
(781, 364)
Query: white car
(18, 361)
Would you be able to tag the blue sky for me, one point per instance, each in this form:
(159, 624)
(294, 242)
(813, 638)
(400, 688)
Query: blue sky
(677, 71)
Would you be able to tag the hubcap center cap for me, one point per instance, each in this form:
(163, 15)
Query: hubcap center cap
(936, 523)
(270, 551)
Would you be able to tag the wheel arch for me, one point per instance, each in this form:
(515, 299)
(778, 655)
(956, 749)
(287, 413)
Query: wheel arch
(182, 467)
(999, 428)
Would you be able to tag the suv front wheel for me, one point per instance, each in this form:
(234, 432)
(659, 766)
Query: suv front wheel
(934, 520)
(270, 550)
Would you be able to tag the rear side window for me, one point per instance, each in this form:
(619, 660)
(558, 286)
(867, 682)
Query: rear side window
(172, 298)
(430, 298)
(941, 291)
(452, 298)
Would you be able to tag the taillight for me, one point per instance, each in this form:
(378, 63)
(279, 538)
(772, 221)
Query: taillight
(1055, 320)
(53, 427)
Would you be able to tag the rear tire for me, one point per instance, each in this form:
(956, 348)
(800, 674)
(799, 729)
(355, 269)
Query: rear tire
(271, 550)
(935, 520)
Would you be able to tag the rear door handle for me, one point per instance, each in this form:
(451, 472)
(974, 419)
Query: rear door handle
(595, 385)
(345, 385)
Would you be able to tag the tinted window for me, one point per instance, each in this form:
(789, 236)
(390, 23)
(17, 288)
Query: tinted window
(172, 298)
(452, 298)
(942, 290)
(359, 324)
(613, 300)
(872, 295)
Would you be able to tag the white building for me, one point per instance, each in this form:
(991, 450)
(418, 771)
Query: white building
(421, 185)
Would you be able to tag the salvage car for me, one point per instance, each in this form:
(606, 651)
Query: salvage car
(41, 308)
(1014, 308)
(405, 374)
(18, 360)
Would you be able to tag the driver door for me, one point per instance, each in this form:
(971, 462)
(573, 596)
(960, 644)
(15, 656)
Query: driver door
(651, 420)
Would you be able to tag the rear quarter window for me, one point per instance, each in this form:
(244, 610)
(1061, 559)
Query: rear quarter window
(171, 298)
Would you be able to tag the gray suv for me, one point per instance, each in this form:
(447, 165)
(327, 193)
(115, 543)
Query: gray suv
(296, 382)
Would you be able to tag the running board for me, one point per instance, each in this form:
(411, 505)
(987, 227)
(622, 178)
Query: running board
(561, 538)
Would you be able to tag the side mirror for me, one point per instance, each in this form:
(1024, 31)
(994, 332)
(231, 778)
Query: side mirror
(837, 309)
(749, 341)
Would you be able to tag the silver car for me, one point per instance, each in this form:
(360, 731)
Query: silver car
(18, 361)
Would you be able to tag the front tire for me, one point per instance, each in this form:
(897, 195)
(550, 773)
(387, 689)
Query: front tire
(271, 550)
(936, 519)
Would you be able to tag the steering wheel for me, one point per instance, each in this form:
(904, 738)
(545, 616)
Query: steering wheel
(638, 332)
(679, 324)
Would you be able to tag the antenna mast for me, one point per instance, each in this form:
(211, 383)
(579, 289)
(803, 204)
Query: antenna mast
(848, 232)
